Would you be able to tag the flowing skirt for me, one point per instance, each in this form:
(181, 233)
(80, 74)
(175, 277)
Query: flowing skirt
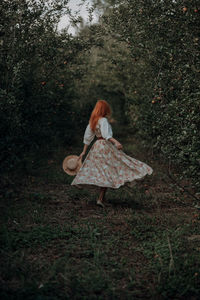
(106, 166)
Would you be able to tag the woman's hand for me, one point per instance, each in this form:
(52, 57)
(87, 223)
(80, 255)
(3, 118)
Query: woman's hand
(83, 153)
(81, 156)
(118, 145)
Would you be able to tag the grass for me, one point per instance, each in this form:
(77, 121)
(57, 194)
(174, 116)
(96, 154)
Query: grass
(57, 244)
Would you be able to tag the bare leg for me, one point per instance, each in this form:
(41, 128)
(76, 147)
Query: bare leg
(101, 196)
(103, 193)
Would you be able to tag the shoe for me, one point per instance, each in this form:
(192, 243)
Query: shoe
(99, 202)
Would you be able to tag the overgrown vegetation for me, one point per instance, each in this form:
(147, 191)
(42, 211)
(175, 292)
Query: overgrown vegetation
(151, 60)
(143, 58)
(57, 244)
(134, 57)
(37, 80)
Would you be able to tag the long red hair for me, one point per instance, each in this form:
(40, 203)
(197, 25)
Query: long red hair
(101, 109)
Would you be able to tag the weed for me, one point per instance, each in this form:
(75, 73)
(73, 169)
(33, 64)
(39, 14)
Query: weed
(57, 244)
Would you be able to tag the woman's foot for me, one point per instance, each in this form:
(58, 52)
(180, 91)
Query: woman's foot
(101, 196)
(100, 203)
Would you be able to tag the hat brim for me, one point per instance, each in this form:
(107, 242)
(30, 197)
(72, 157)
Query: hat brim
(67, 170)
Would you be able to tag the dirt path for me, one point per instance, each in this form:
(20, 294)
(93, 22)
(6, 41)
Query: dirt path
(57, 244)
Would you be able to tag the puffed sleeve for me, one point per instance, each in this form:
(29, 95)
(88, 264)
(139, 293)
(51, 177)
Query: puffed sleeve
(88, 136)
(106, 129)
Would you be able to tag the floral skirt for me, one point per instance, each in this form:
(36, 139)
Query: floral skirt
(106, 166)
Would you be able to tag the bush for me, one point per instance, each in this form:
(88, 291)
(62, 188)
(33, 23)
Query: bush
(163, 94)
(37, 94)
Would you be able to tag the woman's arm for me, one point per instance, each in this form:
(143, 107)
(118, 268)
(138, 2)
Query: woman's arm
(87, 139)
(106, 132)
(83, 152)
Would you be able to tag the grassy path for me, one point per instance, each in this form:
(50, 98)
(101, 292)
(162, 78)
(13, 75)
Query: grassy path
(57, 244)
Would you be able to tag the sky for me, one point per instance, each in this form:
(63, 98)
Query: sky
(74, 6)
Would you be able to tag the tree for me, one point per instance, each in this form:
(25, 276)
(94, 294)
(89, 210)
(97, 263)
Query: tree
(163, 40)
(37, 85)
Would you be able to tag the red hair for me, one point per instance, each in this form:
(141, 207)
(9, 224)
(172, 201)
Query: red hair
(101, 109)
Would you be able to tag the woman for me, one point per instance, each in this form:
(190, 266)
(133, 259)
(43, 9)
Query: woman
(106, 165)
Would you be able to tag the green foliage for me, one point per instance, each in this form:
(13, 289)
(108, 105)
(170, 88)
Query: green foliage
(57, 244)
(37, 94)
(134, 57)
(168, 250)
(160, 73)
(39, 235)
(119, 252)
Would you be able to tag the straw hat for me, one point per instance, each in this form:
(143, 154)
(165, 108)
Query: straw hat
(71, 164)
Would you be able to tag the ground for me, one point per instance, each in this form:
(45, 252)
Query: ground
(56, 243)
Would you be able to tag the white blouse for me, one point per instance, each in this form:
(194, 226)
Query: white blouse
(103, 129)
